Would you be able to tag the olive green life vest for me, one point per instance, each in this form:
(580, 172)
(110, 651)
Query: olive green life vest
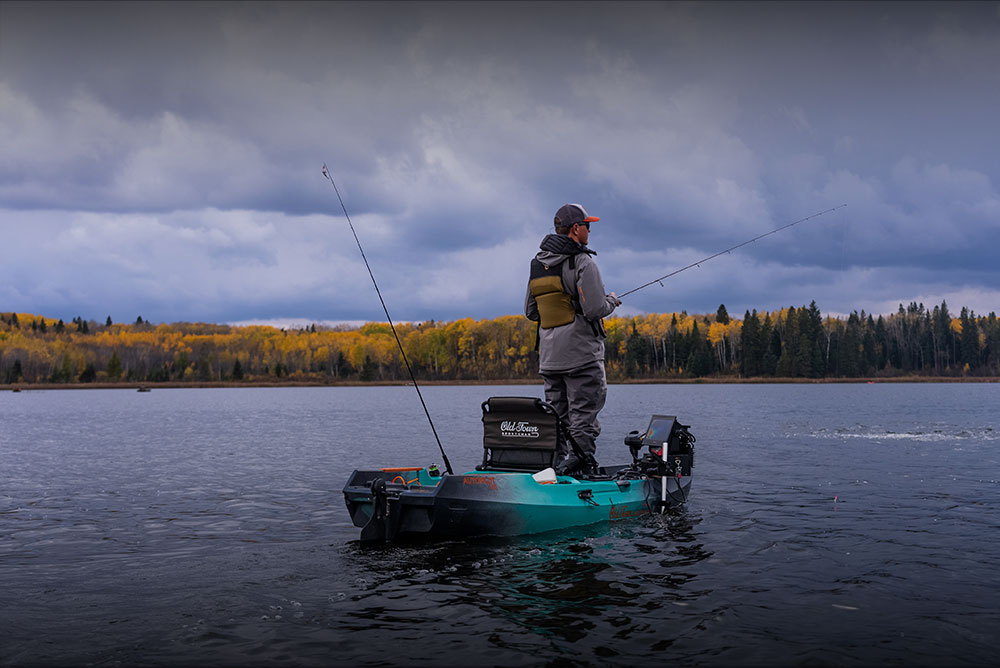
(555, 306)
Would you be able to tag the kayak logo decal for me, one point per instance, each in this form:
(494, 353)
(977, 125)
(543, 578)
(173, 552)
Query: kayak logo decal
(485, 480)
(513, 429)
(621, 512)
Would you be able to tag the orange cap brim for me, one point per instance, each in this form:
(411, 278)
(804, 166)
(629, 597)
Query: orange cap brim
(591, 219)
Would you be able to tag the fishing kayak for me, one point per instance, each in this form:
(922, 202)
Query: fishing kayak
(516, 490)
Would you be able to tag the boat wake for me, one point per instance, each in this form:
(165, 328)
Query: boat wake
(935, 434)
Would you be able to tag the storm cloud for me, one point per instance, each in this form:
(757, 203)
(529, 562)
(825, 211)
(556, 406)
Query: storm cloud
(164, 159)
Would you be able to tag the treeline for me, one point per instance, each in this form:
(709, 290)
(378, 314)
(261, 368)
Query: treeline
(789, 343)
(801, 343)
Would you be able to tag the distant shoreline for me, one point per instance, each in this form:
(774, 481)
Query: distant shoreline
(515, 381)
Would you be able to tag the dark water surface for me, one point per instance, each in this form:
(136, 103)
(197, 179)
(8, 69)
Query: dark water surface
(828, 524)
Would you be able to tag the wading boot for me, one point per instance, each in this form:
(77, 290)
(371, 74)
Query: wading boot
(568, 465)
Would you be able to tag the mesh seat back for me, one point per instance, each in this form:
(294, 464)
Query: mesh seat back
(519, 434)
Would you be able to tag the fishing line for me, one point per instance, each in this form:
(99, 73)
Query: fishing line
(843, 245)
(728, 250)
(329, 177)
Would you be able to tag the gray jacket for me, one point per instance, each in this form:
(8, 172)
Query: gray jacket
(580, 342)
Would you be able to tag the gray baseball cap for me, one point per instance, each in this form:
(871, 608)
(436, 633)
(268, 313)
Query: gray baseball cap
(573, 214)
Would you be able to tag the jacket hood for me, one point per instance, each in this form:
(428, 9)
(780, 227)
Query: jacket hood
(560, 244)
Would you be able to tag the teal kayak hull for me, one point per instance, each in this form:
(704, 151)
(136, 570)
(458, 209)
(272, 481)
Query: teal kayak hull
(394, 504)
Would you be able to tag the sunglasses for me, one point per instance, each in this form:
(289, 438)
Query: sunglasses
(587, 225)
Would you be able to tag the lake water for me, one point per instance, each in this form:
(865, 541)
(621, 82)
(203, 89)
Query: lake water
(827, 524)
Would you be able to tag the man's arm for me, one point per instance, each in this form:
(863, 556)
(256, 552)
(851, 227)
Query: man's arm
(530, 305)
(594, 303)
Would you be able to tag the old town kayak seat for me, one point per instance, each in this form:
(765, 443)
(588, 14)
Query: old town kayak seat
(519, 434)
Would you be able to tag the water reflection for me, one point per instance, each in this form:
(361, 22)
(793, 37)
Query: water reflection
(559, 586)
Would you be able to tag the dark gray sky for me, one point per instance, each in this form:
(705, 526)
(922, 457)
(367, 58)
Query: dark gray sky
(164, 160)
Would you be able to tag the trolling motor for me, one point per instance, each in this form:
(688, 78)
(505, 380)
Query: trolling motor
(669, 454)
(376, 528)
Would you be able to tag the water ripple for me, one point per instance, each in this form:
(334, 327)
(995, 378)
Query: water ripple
(208, 527)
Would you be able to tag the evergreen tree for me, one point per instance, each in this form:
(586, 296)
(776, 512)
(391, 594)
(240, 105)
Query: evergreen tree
(700, 358)
(672, 338)
(108, 322)
(750, 364)
(788, 361)
(942, 336)
(898, 340)
(869, 346)
(770, 339)
(818, 335)
(991, 351)
(850, 348)
(204, 369)
(62, 373)
(882, 347)
(66, 371)
(969, 342)
(160, 374)
(722, 316)
(368, 369)
(343, 368)
(89, 374)
(807, 344)
(237, 370)
(928, 362)
(114, 366)
(180, 366)
(16, 372)
(637, 354)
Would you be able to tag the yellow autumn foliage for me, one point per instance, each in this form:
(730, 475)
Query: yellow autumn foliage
(652, 345)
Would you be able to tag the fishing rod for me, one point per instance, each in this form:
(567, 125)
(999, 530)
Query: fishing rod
(329, 177)
(728, 250)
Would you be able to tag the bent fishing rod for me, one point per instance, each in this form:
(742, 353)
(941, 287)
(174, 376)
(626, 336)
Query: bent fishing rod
(728, 250)
(406, 362)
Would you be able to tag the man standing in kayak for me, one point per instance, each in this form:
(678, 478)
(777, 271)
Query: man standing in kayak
(566, 297)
